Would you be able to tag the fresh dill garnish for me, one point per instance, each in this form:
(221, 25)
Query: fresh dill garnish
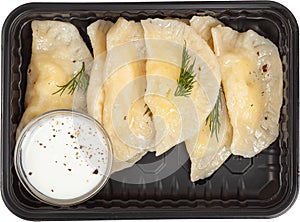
(80, 81)
(187, 77)
(213, 117)
(148, 111)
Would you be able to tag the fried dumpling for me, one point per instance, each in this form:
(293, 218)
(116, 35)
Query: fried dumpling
(203, 25)
(58, 52)
(177, 118)
(124, 115)
(97, 32)
(252, 80)
(211, 147)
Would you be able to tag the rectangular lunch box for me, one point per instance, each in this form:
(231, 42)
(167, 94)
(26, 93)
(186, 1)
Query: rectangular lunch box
(260, 187)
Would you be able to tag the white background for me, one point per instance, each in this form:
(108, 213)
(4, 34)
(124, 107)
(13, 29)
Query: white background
(8, 6)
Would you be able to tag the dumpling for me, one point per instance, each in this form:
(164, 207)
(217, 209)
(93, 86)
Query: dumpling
(177, 118)
(58, 53)
(97, 32)
(209, 149)
(252, 80)
(124, 114)
(203, 25)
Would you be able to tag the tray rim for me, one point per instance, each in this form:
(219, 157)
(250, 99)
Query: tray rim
(138, 213)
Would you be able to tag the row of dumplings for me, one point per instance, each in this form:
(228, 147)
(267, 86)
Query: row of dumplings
(233, 105)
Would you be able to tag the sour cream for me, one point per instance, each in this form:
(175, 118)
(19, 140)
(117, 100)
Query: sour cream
(63, 157)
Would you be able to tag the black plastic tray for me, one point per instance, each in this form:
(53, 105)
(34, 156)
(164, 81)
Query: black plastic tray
(263, 186)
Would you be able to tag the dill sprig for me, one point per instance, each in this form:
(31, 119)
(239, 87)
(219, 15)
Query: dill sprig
(148, 111)
(213, 117)
(80, 81)
(187, 77)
